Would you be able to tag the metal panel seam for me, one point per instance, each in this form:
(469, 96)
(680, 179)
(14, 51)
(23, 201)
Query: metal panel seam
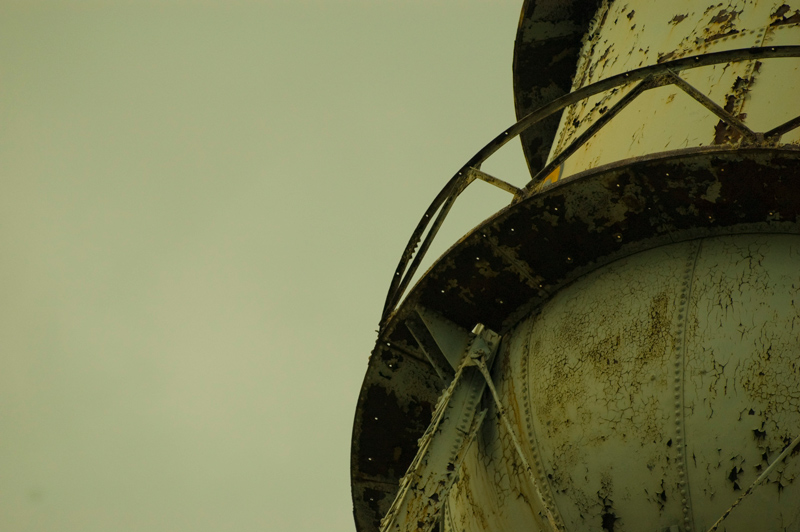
(679, 338)
(533, 441)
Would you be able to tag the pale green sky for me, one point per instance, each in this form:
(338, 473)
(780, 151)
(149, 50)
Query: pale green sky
(201, 206)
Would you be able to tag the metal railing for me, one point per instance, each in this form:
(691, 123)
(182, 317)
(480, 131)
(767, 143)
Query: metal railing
(649, 77)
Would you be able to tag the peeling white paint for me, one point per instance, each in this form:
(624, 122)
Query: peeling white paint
(629, 35)
(664, 381)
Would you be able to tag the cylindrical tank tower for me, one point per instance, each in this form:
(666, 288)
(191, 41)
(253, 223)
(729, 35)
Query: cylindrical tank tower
(619, 348)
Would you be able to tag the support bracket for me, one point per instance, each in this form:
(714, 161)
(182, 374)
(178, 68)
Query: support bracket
(442, 448)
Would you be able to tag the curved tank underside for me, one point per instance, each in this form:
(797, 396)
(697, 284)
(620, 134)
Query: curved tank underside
(648, 394)
(526, 258)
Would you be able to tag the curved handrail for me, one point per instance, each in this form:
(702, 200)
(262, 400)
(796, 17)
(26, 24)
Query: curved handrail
(650, 77)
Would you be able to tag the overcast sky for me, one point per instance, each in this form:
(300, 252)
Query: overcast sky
(201, 207)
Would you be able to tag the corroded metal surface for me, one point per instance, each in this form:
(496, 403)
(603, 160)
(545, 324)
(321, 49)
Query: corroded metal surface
(658, 75)
(546, 52)
(445, 443)
(492, 479)
(658, 406)
(627, 36)
(512, 264)
(525, 253)
(646, 380)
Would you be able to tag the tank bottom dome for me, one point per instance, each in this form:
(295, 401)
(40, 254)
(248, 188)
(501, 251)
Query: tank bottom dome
(648, 395)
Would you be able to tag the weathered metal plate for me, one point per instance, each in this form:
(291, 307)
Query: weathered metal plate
(546, 52)
(394, 408)
(653, 391)
(626, 36)
(510, 265)
(492, 483)
(742, 389)
(456, 420)
(663, 384)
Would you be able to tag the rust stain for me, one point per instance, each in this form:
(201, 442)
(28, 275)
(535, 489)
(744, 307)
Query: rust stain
(721, 35)
(485, 269)
(723, 133)
(723, 17)
(607, 517)
(664, 57)
(721, 25)
(779, 17)
(677, 19)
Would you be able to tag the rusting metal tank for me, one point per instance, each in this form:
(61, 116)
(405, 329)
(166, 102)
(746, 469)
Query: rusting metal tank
(619, 348)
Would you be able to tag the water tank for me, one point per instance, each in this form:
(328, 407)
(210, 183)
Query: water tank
(619, 348)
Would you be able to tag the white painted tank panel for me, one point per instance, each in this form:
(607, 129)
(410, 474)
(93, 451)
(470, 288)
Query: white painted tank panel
(632, 34)
(650, 393)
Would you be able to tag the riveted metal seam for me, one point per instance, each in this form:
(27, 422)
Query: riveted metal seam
(679, 350)
(750, 66)
(533, 443)
(515, 264)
